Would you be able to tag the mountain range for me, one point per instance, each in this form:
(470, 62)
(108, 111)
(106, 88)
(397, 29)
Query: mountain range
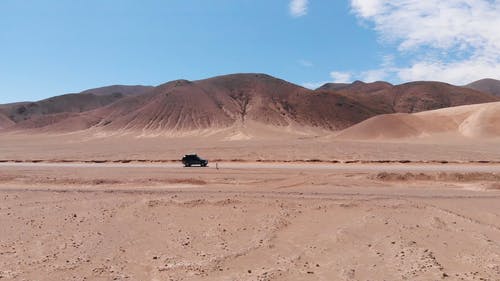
(235, 100)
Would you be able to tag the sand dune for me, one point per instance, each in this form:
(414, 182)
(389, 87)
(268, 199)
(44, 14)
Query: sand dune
(473, 121)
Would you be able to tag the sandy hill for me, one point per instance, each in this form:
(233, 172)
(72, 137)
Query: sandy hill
(490, 86)
(473, 121)
(413, 96)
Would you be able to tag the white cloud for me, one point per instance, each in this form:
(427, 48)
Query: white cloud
(314, 85)
(305, 63)
(366, 8)
(340, 77)
(298, 8)
(374, 75)
(459, 73)
(456, 41)
(385, 71)
(337, 77)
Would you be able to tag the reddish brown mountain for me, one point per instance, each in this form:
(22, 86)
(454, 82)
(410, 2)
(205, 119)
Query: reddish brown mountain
(60, 104)
(217, 102)
(126, 90)
(333, 86)
(357, 86)
(490, 86)
(5, 121)
(414, 96)
(235, 100)
(69, 103)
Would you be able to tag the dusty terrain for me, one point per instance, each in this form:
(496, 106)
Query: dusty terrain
(302, 184)
(247, 144)
(249, 221)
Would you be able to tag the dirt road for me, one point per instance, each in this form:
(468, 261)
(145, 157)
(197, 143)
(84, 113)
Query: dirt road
(334, 167)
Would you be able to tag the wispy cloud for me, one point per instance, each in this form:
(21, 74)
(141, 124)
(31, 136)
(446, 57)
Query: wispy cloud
(314, 85)
(340, 77)
(305, 63)
(298, 8)
(456, 41)
(336, 77)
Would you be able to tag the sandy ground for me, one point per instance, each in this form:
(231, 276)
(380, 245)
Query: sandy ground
(249, 222)
(80, 146)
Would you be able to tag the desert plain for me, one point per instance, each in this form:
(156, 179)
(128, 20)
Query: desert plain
(361, 181)
(124, 208)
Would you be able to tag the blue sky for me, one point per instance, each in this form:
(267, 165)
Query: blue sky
(60, 46)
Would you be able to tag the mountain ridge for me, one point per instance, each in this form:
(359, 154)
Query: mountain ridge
(232, 100)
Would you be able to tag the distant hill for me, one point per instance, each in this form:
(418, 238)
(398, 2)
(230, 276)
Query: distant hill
(126, 90)
(70, 103)
(231, 100)
(59, 104)
(414, 96)
(333, 86)
(357, 86)
(490, 86)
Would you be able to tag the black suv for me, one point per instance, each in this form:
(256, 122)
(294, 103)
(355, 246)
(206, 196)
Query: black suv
(193, 159)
